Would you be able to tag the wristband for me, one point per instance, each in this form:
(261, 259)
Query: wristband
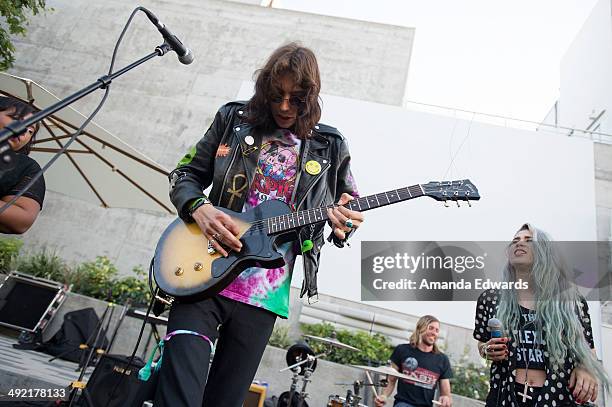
(197, 203)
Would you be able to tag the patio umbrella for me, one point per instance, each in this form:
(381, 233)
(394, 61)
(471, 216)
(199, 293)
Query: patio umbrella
(97, 167)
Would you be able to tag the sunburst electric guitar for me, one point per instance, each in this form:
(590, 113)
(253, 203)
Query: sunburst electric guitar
(185, 268)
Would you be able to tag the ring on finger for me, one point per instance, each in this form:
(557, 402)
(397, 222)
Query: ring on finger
(216, 236)
(348, 223)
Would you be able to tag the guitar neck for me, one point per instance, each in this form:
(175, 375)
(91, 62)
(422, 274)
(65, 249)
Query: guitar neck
(295, 220)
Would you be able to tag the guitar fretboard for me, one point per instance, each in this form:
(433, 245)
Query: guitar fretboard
(294, 220)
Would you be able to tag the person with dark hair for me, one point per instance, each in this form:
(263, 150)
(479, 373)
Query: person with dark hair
(422, 359)
(21, 215)
(270, 147)
(546, 354)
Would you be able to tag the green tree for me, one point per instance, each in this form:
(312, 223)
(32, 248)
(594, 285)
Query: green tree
(14, 20)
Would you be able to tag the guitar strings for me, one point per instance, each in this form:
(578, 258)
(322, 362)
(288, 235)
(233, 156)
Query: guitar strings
(261, 224)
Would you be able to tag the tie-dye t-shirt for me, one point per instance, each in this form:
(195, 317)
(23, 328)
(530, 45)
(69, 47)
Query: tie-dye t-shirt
(274, 179)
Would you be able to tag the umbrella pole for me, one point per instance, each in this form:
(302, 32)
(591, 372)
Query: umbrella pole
(18, 127)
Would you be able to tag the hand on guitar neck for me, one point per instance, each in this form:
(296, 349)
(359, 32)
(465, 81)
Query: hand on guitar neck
(340, 217)
(218, 227)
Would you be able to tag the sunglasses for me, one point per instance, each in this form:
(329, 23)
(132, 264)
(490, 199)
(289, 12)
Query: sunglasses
(293, 100)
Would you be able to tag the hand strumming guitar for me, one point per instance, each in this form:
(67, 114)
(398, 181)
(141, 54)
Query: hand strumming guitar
(218, 227)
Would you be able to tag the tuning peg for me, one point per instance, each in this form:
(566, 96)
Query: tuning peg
(458, 206)
(446, 204)
(469, 204)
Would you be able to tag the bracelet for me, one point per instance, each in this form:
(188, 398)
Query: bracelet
(482, 350)
(197, 203)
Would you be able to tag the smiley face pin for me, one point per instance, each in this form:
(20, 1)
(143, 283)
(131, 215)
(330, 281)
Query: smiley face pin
(313, 167)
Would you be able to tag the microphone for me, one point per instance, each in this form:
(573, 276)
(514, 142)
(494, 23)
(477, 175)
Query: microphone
(495, 328)
(185, 56)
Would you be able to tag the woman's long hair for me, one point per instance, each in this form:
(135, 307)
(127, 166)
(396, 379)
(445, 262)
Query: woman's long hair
(18, 110)
(421, 327)
(557, 303)
(301, 65)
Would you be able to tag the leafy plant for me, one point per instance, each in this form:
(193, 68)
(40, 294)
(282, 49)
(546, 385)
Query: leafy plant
(14, 22)
(94, 278)
(470, 379)
(44, 264)
(133, 288)
(374, 349)
(280, 337)
(9, 249)
(97, 278)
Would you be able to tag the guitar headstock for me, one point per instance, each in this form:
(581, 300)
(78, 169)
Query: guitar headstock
(461, 190)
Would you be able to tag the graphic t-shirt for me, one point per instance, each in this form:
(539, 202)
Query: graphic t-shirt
(427, 368)
(275, 177)
(529, 348)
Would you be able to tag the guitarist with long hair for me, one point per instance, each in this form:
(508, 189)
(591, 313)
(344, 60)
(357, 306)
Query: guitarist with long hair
(270, 147)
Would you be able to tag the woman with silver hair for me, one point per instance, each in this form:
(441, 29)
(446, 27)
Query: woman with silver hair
(545, 356)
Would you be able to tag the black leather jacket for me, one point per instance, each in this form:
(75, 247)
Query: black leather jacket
(226, 157)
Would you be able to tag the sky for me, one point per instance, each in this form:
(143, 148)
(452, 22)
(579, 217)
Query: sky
(495, 57)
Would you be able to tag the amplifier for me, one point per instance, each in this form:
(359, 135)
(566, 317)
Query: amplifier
(29, 303)
(114, 384)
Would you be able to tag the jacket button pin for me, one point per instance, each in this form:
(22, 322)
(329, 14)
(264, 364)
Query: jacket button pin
(237, 129)
(317, 127)
(249, 140)
(240, 111)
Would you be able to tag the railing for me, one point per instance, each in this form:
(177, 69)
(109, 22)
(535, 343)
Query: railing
(511, 122)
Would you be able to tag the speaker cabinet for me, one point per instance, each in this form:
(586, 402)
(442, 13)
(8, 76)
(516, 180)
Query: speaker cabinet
(111, 371)
(29, 303)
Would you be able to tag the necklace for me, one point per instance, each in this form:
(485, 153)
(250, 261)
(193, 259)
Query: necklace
(525, 394)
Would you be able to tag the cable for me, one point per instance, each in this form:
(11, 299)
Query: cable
(150, 282)
(80, 129)
(460, 146)
(129, 364)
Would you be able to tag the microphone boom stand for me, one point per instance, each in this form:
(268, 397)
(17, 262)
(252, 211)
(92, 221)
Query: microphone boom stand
(17, 127)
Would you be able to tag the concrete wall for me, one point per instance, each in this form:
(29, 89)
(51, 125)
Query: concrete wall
(586, 89)
(586, 104)
(603, 200)
(586, 85)
(606, 337)
(163, 107)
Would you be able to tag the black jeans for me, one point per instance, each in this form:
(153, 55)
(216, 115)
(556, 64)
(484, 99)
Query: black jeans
(243, 331)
